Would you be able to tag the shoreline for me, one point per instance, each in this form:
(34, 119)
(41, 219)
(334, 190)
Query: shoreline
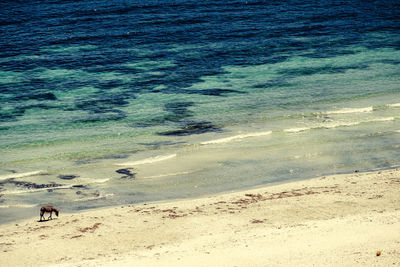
(171, 200)
(21, 218)
(333, 220)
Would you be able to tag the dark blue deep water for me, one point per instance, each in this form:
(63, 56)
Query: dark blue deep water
(110, 102)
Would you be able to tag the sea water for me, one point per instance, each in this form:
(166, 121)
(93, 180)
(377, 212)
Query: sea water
(115, 102)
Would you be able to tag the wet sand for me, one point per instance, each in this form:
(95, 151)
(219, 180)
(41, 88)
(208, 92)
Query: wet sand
(340, 220)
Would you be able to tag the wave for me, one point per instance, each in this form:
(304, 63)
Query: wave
(296, 130)
(235, 137)
(18, 206)
(331, 125)
(382, 119)
(350, 110)
(335, 125)
(147, 161)
(19, 175)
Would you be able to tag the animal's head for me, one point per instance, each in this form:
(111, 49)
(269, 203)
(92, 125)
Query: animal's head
(56, 212)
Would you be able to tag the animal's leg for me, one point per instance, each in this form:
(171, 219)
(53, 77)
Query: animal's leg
(51, 212)
(41, 215)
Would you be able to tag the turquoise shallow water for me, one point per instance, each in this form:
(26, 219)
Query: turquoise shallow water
(185, 99)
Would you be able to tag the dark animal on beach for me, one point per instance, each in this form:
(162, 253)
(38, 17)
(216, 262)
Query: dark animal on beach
(48, 209)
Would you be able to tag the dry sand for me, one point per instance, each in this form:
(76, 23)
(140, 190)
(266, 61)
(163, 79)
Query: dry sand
(340, 220)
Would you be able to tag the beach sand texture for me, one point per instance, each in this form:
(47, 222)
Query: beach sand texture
(340, 220)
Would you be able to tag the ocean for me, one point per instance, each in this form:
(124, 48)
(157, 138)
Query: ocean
(108, 103)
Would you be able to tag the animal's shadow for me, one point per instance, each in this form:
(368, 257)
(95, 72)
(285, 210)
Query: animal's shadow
(46, 220)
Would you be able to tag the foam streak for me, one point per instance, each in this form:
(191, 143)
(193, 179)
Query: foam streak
(236, 137)
(351, 110)
(147, 161)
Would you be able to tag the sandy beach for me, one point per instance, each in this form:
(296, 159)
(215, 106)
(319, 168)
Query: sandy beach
(340, 220)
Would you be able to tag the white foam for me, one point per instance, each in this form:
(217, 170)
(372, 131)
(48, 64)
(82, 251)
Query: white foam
(236, 137)
(296, 130)
(147, 161)
(383, 119)
(20, 175)
(17, 206)
(395, 105)
(87, 181)
(351, 110)
(339, 124)
(101, 181)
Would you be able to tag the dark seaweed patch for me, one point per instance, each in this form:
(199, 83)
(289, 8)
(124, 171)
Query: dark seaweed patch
(128, 172)
(273, 83)
(38, 96)
(156, 145)
(6, 117)
(110, 84)
(30, 185)
(43, 96)
(320, 70)
(106, 115)
(120, 156)
(117, 156)
(12, 114)
(193, 128)
(40, 106)
(149, 123)
(389, 61)
(313, 70)
(101, 105)
(178, 111)
(105, 105)
(178, 107)
(67, 177)
(215, 92)
(79, 186)
(174, 117)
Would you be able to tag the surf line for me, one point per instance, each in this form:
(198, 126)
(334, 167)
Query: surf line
(235, 137)
(147, 161)
(350, 110)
